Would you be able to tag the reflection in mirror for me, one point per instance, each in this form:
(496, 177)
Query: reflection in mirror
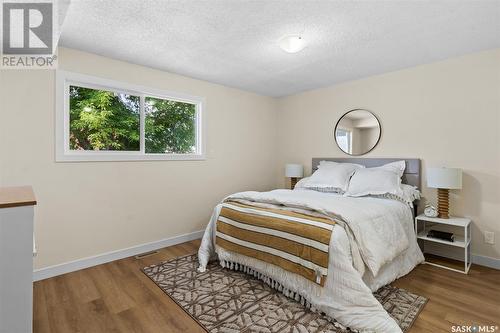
(357, 132)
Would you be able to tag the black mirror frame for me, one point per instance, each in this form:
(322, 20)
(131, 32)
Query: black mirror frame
(376, 143)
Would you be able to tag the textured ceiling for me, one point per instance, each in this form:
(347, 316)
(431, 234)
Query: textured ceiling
(235, 42)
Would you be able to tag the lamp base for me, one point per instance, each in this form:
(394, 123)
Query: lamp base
(443, 203)
(293, 182)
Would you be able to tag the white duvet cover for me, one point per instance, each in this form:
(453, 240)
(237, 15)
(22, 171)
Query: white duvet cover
(372, 244)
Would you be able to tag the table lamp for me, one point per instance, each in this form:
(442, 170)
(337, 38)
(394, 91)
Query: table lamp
(444, 179)
(294, 172)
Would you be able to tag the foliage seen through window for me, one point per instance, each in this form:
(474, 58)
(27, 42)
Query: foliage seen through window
(110, 121)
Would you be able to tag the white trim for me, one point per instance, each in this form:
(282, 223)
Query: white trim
(64, 154)
(142, 124)
(75, 265)
(486, 261)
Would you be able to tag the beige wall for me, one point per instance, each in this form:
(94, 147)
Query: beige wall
(90, 208)
(447, 114)
(369, 137)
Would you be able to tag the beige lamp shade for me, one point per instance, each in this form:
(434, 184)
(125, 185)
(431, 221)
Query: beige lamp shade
(446, 178)
(294, 170)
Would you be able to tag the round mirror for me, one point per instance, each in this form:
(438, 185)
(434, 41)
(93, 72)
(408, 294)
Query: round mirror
(357, 132)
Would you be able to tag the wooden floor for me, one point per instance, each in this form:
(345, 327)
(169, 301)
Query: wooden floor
(118, 297)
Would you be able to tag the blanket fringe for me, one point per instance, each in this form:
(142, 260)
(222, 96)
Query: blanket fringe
(279, 287)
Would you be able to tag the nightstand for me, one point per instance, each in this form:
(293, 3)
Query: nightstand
(461, 228)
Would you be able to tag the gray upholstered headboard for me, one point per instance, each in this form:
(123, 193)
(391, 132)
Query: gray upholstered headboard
(411, 176)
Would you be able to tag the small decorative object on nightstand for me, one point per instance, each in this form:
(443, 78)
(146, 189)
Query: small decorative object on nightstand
(430, 211)
(294, 172)
(460, 239)
(444, 179)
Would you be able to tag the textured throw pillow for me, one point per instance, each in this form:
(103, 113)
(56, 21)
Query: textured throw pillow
(331, 177)
(301, 185)
(407, 195)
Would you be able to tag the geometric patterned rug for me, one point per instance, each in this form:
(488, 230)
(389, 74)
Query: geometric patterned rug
(227, 301)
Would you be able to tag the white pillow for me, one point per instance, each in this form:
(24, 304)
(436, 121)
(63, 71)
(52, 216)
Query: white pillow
(374, 181)
(385, 179)
(332, 176)
(396, 167)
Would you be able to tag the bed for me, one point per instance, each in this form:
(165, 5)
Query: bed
(372, 243)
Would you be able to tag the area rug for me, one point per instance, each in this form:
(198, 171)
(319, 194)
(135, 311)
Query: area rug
(229, 301)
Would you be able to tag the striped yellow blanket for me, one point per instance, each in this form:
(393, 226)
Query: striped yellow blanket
(296, 242)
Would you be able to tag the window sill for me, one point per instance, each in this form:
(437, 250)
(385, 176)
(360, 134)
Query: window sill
(121, 157)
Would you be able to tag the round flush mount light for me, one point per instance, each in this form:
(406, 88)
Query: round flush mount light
(292, 43)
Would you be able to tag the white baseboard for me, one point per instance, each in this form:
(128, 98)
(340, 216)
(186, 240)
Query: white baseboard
(75, 265)
(486, 261)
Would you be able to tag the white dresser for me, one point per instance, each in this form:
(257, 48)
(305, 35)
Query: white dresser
(16, 259)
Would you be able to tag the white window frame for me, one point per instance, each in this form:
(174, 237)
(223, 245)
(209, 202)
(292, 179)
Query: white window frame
(348, 131)
(63, 152)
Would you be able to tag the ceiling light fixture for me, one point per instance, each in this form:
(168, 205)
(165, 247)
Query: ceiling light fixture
(292, 43)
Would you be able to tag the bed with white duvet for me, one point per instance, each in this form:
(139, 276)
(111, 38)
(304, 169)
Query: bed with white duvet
(372, 243)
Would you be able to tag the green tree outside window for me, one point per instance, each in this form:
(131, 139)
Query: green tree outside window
(170, 126)
(110, 121)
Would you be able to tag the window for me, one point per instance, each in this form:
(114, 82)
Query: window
(101, 120)
(170, 126)
(344, 139)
